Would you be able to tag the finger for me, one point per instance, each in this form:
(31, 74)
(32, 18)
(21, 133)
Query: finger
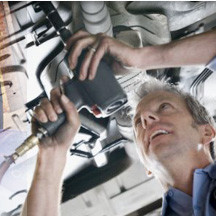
(77, 50)
(64, 78)
(55, 95)
(40, 115)
(48, 108)
(110, 46)
(84, 69)
(34, 125)
(71, 112)
(96, 58)
(78, 35)
(62, 81)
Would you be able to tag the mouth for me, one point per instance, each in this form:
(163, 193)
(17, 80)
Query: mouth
(157, 133)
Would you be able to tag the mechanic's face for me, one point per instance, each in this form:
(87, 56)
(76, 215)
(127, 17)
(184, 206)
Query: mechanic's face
(164, 128)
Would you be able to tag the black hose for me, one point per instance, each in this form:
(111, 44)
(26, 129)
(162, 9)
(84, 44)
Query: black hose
(46, 61)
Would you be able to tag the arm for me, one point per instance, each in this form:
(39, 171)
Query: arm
(195, 50)
(45, 193)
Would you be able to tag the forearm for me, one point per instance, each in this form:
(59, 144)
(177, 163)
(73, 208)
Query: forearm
(195, 50)
(45, 193)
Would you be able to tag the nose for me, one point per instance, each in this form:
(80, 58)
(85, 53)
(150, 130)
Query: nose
(148, 118)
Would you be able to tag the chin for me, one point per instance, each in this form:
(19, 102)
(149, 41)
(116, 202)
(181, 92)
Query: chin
(162, 151)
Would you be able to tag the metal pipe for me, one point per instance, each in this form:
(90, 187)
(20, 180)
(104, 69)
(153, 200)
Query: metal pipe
(28, 144)
(96, 17)
(4, 166)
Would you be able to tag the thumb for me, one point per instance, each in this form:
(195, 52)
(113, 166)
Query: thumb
(71, 112)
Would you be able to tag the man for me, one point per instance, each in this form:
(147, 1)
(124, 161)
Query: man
(172, 142)
(174, 134)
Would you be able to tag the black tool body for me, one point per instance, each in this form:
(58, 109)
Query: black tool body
(101, 96)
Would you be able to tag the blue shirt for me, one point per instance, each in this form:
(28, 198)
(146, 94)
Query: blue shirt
(176, 202)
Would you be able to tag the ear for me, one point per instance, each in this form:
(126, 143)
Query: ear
(148, 172)
(208, 133)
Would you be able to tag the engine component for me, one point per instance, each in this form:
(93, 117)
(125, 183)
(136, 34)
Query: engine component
(96, 17)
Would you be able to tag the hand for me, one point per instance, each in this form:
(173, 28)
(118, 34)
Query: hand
(48, 110)
(99, 45)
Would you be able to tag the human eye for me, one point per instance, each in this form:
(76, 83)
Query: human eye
(165, 106)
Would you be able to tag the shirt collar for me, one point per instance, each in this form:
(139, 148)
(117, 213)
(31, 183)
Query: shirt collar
(174, 195)
(179, 199)
(211, 170)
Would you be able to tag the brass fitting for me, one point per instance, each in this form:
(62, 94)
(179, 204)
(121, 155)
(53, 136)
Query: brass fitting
(28, 144)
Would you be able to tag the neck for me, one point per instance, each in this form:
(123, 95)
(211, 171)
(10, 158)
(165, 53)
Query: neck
(179, 172)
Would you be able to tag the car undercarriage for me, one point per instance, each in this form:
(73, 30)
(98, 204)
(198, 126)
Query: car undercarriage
(103, 175)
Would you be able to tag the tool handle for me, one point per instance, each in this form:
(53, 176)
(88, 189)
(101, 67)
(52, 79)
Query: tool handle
(73, 92)
(52, 127)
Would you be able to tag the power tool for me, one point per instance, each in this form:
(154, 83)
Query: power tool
(102, 96)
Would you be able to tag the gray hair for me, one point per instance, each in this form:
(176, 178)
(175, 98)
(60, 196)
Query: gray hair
(196, 109)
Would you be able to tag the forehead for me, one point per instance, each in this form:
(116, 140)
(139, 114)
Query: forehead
(159, 96)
